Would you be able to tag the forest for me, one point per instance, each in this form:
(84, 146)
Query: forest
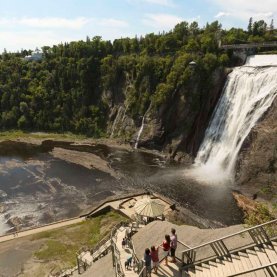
(75, 85)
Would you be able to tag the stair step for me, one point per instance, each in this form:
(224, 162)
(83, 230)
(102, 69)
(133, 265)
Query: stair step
(214, 269)
(237, 263)
(272, 255)
(229, 266)
(195, 272)
(246, 264)
(263, 258)
(262, 255)
(253, 257)
(221, 267)
(206, 270)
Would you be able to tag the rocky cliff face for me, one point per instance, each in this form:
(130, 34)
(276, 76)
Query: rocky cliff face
(177, 126)
(257, 163)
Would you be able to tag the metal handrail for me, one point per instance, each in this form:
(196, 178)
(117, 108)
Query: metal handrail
(253, 269)
(232, 235)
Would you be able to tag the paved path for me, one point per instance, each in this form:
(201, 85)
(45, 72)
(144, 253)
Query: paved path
(41, 229)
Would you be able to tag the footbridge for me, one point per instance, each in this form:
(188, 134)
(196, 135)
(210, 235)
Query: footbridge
(247, 46)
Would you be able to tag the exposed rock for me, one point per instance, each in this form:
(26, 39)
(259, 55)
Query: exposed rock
(15, 221)
(257, 163)
(87, 160)
(3, 208)
(48, 217)
(245, 203)
(178, 124)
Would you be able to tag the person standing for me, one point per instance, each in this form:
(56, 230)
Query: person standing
(173, 245)
(123, 243)
(155, 257)
(147, 260)
(166, 247)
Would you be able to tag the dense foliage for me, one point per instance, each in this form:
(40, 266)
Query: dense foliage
(75, 85)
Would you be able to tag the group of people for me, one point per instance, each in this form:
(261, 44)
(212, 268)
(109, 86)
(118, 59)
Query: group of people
(151, 256)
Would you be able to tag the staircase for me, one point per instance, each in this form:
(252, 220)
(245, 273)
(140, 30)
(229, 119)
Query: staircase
(90, 256)
(249, 253)
(245, 263)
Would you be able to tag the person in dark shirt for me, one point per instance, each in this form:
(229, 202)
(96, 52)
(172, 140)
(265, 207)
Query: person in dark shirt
(147, 260)
(123, 243)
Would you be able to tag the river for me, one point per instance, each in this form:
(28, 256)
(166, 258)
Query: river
(37, 187)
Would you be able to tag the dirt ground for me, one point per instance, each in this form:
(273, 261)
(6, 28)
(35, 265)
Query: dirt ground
(19, 250)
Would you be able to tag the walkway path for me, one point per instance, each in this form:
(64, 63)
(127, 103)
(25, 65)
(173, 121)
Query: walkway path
(41, 229)
(124, 252)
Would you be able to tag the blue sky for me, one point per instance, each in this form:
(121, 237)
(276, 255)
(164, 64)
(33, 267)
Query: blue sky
(26, 24)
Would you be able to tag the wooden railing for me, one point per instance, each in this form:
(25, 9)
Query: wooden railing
(227, 245)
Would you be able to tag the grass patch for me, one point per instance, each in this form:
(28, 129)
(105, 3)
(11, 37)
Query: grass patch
(54, 249)
(259, 216)
(62, 244)
(14, 134)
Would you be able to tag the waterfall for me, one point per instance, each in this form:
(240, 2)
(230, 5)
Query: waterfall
(249, 92)
(116, 121)
(139, 133)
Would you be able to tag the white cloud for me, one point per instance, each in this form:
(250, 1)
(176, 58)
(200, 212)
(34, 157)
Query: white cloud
(32, 32)
(46, 22)
(161, 21)
(222, 14)
(61, 23)
(14, 41)
(243, 10)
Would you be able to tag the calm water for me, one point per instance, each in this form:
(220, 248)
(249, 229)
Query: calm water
(39, 188)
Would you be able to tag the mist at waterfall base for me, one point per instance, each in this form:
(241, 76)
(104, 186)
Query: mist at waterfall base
(249, 91)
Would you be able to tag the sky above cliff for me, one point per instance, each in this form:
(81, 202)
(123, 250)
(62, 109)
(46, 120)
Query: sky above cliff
(28, 24)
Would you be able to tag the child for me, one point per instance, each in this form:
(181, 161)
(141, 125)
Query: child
(155, 257)
(147, 259)
(128, 263)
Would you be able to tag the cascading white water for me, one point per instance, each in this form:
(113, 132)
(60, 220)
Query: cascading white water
(248, 93)
(139, 133)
